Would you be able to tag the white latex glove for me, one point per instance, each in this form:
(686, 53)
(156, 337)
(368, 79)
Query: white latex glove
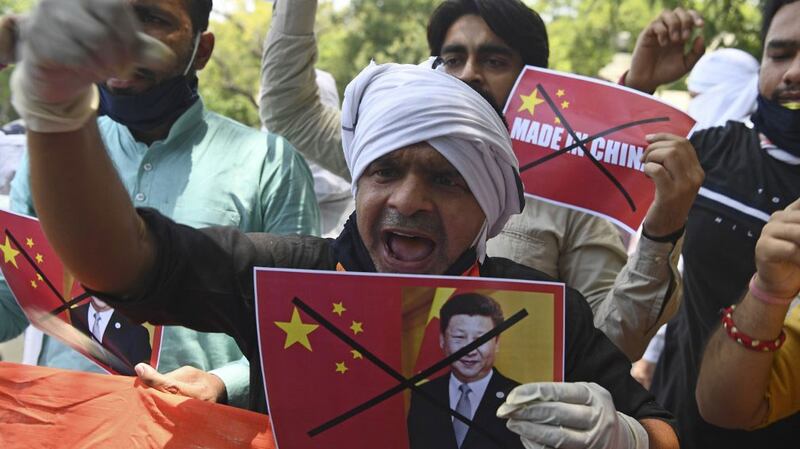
(576, 415)
(67, 46)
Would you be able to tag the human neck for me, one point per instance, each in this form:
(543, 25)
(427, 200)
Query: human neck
(153, 135)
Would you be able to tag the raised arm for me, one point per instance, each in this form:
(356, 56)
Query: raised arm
(735, 382)
(83, 207)
(290, 102)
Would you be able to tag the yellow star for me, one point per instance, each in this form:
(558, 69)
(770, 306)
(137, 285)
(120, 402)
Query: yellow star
(39, 258)
(296, 331)
(338, 308)
(356, 355)
(439, 298)
(29, 242)
(33, 284)
(356, 327)
(9, 253)
(564, 104)
(39, 277)
(557, 121)
(341, 367)
(529, 102)
(560, 93)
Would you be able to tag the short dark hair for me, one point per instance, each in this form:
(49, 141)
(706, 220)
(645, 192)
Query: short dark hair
(469, 304)
(517, 25)
(199, 12)
(770, 9)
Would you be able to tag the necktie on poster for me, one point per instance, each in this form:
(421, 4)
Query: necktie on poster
(580, 142)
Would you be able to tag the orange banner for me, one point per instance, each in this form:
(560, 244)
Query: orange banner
(51, 408)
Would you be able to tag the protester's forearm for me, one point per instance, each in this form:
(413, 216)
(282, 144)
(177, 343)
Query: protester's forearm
(662, 435)
(733, 379)
(290, 102)
(85, 211)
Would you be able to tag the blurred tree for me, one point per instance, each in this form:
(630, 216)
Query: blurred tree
(7, 112)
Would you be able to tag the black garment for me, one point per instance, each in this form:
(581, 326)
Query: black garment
(203, 279)
(431, 427)
(718, 253)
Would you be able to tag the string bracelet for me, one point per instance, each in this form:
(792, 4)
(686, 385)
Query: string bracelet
(745, 340)
(765, 297)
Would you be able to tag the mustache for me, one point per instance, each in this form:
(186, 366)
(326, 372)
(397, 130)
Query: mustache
(780, 92)
(425, 222)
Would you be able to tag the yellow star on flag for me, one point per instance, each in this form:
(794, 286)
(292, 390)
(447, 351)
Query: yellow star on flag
(560, 93)
(296, 331)
(529, 102)
(33, 284)
(356, 355)
(564, 104)
(39, 258)
(557, 121)
(439, 298)
(29, 242)
(39, 277)
(356, 327)
(341, 367)
(338, 308)
(9, 253)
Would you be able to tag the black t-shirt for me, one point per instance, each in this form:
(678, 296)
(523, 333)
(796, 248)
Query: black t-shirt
(203, 279)
(743, 186)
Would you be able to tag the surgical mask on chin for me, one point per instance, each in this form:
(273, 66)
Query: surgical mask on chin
(781, 125)
(160, 104)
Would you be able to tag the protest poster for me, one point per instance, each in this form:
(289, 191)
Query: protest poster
(356, 360)
(580, 142)
(54, 302)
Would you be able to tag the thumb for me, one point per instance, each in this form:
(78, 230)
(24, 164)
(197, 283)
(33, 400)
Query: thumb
(153, 379)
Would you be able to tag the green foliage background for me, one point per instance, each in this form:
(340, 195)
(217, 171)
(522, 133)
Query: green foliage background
(584, 36)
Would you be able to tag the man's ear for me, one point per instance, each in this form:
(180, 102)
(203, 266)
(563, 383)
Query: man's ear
(204, 50)
(441, 341)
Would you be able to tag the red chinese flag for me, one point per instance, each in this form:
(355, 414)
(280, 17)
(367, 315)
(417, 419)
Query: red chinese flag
(46, 292)
(313, 377)
(549, 112)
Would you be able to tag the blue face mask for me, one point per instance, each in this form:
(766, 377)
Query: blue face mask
(780, 124)
(157, 106)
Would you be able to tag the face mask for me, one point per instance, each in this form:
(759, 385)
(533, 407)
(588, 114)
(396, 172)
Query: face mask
(781, 125)
(161, 104)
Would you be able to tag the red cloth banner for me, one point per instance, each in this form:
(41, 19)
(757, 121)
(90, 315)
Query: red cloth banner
(50, 408)
(341, 351)
(580, 141)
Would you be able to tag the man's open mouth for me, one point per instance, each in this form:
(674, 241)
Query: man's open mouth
(408, 247)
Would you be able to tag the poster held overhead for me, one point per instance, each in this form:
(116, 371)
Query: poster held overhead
(580, 142)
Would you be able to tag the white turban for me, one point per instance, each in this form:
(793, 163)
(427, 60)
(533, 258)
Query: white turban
(391, 106)
(726, 82)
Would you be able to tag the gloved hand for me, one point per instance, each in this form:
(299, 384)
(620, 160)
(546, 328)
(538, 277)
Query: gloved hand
(577, 415)
(67, 46)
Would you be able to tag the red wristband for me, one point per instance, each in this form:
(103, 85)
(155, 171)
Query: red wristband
(746, 340)
(765, 297)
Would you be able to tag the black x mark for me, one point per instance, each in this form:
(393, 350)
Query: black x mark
(581, 143)
(406, 383)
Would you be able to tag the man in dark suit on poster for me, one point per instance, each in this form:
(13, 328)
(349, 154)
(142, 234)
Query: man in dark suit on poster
(473, 387)
(123, 338)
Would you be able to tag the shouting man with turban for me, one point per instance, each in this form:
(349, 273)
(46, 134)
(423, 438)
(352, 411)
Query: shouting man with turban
(433, 175)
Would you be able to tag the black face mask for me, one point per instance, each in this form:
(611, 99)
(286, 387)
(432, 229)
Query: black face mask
(780, 124)
(149, 110)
